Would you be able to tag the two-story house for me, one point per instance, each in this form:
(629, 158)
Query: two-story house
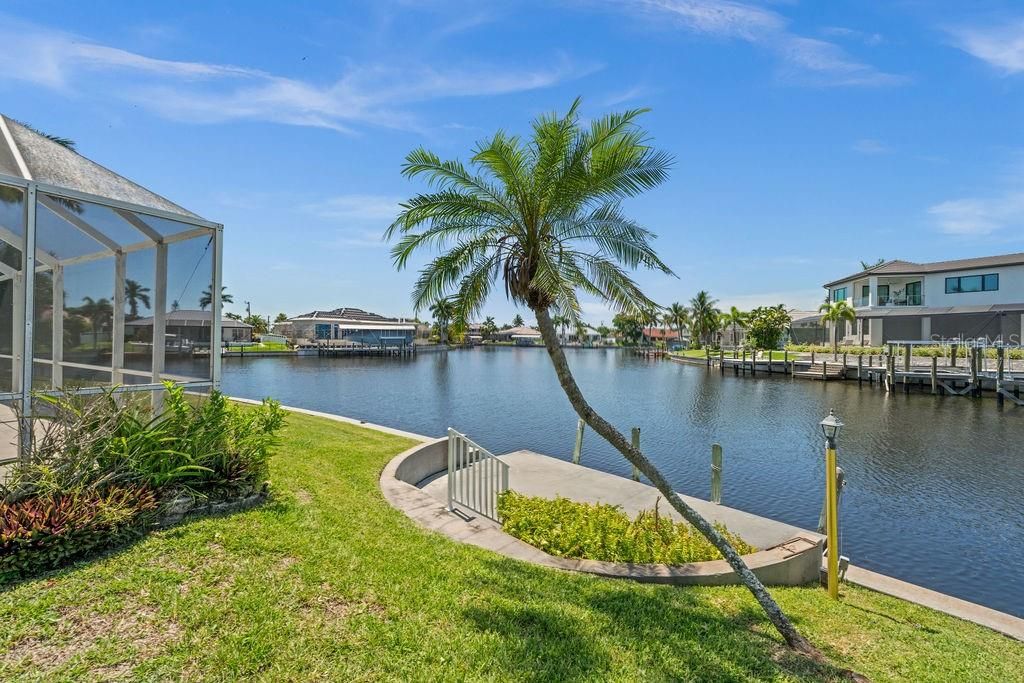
(900, 300)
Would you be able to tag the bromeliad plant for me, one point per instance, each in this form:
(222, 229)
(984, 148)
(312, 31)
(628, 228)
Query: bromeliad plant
(542, 217)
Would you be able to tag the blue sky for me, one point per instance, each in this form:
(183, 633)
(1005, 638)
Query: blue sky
(807, 135)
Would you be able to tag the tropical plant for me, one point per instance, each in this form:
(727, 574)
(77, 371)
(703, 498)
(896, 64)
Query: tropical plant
(91, 443)
(488, 327)
(281, 318)
(734, 319)
(678, 317)
(206, 298)
(629, 327)
(443, 311)
(834, 313)
(766, 325)
(518, 321)
(135, 294)
(233, 316)
(543, 216)
(561, 322)
(98, 312)
(603, 532)
(867, 265)
(257, 322)
(43, 533)
(704, 317)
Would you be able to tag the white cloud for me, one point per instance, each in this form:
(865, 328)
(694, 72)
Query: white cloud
(356, 207)
(979, 216)
(870, 146)
(807, 60)
(627, 95)
(212, 93)
(1002, 47)
(869, 39)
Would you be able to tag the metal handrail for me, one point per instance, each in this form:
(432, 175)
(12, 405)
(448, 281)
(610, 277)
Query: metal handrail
(476, 477)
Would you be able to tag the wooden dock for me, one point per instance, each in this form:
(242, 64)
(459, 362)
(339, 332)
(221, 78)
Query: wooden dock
(889, 372)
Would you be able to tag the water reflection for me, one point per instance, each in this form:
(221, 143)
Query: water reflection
(934, 483)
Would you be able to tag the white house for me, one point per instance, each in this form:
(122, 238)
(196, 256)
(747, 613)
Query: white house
(969, 298)
(347, 325)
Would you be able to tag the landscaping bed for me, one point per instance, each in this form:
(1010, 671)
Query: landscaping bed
(328, 582)
(104, 471)
(598, 531)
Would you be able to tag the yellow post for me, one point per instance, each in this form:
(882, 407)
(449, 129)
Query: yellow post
(831, 520)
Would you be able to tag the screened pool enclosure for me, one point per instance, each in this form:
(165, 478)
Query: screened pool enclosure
(83, 251)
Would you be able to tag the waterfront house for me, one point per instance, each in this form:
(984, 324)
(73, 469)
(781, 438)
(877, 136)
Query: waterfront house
(521, 336)
(186, 329)
(655, 335)
(348, 326)
(974, 298)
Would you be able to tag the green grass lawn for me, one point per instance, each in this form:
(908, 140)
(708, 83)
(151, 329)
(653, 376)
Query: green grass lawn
(327, 582)
(262, 347)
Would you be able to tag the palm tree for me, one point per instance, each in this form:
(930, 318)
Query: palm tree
(836, 312)
(98, 312)
(207, 297)
(488, 327)
(678, 318)
(135, 294)
(561, 322)
(443, 311)
(868, 265)
(543, 217)
(518, 321)
(734, 318)
(704, 316)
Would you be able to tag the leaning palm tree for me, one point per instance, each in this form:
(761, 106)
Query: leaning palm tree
(206, 299)
(542, 218)
(836, 312)
(561, 322)
(734, 319)
(135, 294)
(443, 312)
(704, 316)
(678, 318)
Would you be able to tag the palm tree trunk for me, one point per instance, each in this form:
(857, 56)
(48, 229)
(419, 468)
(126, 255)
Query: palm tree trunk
(636, 458)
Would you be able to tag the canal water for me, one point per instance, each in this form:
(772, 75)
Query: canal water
(935, 491)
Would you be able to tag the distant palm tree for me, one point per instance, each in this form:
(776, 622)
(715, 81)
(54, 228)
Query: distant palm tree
(98, 312)
(207, 297)
(518, 321)
(678, 318)
(734, 318)
(704, 316)
(542, 218)
(836, 312)
(867, 265)
(561, 322)
(135, 294)
(443, 311)
(488, 327)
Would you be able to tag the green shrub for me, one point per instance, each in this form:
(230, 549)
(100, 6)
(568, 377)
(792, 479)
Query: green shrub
(46, 532)
(203, 447)
(598, 531)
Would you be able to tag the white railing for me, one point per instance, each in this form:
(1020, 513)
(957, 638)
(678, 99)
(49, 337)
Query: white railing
(476, 477)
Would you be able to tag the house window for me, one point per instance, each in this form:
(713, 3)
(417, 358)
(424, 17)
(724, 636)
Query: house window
(972, 283)
(839, 294)
(883, 295)
(865, 292)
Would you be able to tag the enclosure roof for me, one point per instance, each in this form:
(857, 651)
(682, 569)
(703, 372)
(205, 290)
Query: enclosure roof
(26, 154)
(897, 267)
(187, 318)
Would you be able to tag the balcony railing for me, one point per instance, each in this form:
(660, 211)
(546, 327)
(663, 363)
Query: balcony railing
(884, 301)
